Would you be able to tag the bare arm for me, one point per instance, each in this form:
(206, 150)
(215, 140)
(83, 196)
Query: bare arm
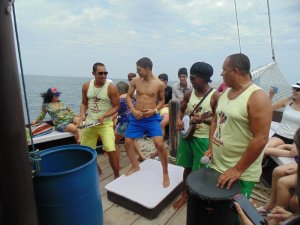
(280, 104)
(161, 96)
(213, 123)
(183, 106)
(84, 101)
(41, 116)
(260, 117)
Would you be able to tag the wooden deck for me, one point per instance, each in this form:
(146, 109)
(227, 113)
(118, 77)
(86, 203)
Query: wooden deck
(114, 214)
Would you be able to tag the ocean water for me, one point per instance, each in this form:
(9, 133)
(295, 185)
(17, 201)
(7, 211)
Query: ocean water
(69, 86)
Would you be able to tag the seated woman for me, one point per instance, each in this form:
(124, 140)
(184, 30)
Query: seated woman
(62, 116)
(288, 125)
(123, 119)
(278, 214)
(284, 184)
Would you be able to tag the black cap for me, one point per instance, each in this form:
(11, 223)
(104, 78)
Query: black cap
(203, 70)
(163, 76)
(182, 71)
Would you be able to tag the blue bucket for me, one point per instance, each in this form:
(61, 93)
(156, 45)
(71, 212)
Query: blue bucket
(67, 187)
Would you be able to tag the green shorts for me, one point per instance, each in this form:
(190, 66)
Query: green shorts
(247, 188)
(189, 153)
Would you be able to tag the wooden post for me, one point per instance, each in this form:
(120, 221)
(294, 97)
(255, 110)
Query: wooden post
(17, 203)
(173, 133)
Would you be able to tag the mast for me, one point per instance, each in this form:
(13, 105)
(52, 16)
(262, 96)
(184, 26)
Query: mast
(271, 35)
(17, 204)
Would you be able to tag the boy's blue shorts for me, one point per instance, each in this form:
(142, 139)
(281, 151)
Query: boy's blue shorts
(147, 126)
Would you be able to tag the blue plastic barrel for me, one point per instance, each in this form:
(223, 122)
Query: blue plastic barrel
(67, 187)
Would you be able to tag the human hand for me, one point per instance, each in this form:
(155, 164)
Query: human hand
(101, 119)
(243, 218)
(148, 112)
(137, 114)
(81, 119)
(209, 153)
(279, 214)
(33, 122)
(179, 124)
(229, 177)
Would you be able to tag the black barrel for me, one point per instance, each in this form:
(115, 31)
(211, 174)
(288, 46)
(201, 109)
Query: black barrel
(207, 203)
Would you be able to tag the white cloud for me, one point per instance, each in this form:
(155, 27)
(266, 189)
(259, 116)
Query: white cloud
(173, 33)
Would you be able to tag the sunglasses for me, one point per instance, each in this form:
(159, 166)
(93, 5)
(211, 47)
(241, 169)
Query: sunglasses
(296, 89)
(102, 73)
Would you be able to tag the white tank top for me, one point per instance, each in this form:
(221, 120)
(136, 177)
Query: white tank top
(290, 123)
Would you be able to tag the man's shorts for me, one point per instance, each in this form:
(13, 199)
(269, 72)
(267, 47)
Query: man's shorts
(247, 187)
(104, 131)
(191, 151)
(147, 126)
(121, 128)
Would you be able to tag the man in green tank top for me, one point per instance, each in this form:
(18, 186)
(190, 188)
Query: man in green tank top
(100, 100)
(240, 128)
(190, 151)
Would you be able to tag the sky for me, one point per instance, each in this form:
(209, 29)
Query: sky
(66, 37)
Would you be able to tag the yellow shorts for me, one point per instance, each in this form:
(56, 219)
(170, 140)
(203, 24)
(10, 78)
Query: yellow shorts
(104, 131)
(164, 110)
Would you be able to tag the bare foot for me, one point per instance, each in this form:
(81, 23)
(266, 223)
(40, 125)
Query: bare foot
(154, 154)
(179, 203)
(132, 170)
(166, 180)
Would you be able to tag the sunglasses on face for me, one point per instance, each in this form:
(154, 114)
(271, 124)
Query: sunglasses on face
(102, 73)
(296, 89)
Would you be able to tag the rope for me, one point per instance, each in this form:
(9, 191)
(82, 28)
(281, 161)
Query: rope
(237, 25)
(270, 27)
(22, 72)
(33, 154)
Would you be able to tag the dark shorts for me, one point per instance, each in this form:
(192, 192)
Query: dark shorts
(149, 126)
(284, 139)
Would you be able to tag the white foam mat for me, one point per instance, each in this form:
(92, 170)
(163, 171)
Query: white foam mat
(145, 186)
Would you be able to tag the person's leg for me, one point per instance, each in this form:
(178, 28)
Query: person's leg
(164, 112)
(270, 148)
(137, 149)
(285, 190)
(158, 142)
(129, 146)
(118, 138)
(73, 129)
(278, 172)
(184, 195)
(135, 129)
(184, 158)
(108, 139)
(89, 138)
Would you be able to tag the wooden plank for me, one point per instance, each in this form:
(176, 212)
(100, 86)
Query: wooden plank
(117, 215)
(162, 218)
(179, 218)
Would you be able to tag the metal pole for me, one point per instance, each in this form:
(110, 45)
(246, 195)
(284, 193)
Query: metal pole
(17, 203)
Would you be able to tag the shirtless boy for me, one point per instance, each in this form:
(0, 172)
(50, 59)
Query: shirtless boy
(145, 117)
